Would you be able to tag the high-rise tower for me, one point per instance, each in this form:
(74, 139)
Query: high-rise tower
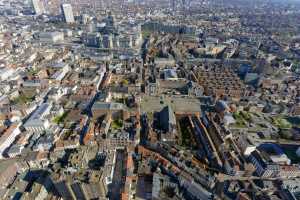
(67, 13)
(38, 7)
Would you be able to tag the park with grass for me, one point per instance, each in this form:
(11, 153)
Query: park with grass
(281, 122)
(22, 99)
(117, 124)
(60, 118)
(186, 138)
(242, 118)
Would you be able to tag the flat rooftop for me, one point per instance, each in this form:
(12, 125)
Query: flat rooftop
(177, 103)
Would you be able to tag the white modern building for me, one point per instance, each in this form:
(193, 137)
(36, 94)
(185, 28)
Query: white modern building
(51, 37)
(37, 121)
(8, 137)
(67, 12)
(6, 73)
(38, 7)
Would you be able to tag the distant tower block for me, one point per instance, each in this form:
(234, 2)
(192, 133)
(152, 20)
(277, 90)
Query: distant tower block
(38, 7)
(173, 5)
(67, 13)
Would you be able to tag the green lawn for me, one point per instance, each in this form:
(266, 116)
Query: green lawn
(33, 72)
(60, 118)
(185, 139)
(117, 124)
(281, 122)
(241, 119)
(246, 115)
(146, 34)
(22, 99)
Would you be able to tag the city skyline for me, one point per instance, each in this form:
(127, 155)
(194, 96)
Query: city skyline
(149, 100)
